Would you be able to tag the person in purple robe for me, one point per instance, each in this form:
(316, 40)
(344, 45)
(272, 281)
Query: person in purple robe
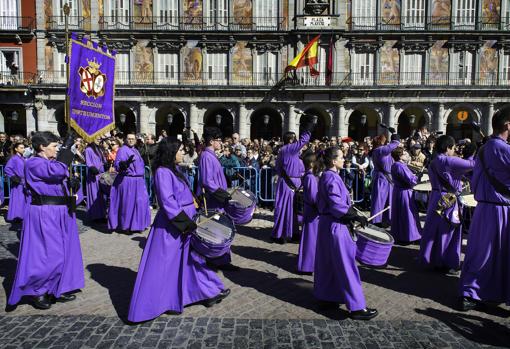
(50, 263)
(306, 255)
(336, 275)
(485, 274)
(129, 202)
(442, 234)
(168, 254)
(96, 201)
(289, 169)
(15, 170)
(382, 185)
(405, 220)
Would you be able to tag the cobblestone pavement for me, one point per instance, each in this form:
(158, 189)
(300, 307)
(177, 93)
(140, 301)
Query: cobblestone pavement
(270, 305)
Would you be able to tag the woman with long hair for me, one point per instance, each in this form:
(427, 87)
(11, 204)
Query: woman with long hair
(167, 254)
(15, 170)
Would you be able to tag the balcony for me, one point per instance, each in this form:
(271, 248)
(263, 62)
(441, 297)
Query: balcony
(17, 24)
(199, 24)
(422, 23)
(19, 79)
(57, 23)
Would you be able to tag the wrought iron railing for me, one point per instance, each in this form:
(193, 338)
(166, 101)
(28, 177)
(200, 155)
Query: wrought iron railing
(17, 23)
(74, 23)
(166, 23)
(8, 78)
(421, 22)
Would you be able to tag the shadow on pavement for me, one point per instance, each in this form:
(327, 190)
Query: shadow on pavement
(472, 327)
(118, 281)
(101, 225)
(263, 234)
(280, 259)
(142, 240)
(295, 291)
(7, 272)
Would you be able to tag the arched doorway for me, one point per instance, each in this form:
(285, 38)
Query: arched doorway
(319, 131)
(363, 123)
(459, 124)
(15, 121)
(266, 123)
(221, 118)
(410, 120)
(125, 119)
(171, 120)
(60, 118)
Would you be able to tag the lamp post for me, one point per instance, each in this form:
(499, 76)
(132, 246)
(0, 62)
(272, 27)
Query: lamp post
(14, 116)
(170, 119)
(266, 119)
(218, 120)
(363, 120)
(412, 119)
(122, 120)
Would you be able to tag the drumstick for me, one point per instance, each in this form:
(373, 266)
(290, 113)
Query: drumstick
(379, 213)
(360, 212)
(205, 202)
(206, 220)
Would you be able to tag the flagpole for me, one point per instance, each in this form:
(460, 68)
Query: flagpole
(67, 10)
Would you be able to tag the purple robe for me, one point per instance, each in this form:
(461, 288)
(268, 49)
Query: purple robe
(381, 187)
(167, 257)
(405, 221)
(288, 160)
(17, 198)
(306, 257)
(50, 258)
(336, 275)
(96, 201)
(441, 241)
(485, 272)
(129, 201)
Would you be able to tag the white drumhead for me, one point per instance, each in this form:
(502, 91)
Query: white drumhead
(425, 178)
(375, 234)
(423, 187)
(469, 200)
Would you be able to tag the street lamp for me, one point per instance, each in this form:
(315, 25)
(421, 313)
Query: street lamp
(363, 120)
(315, 118)
(170, 119)
(14, 116)
(412, 119)
(122, 118)
(218, 119)
(266, 119)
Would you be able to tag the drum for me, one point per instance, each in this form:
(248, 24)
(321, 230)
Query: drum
(242, 205)
(425, 178)
(468, 200)
(107, 178)
(373, 246)
(214, 234)
(423, 187)
(422, 193)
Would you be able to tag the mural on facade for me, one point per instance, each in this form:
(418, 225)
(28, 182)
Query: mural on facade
(285, 12)
(48, 57)
(390, 63)
(193, 11)
(100, 7)
(243, 11)
(488, 62)
(192, 63)
(441, 10)
(85, 13)
(143, 64)
(242, 63)
(490, 11)
(142, 12)
(390, 12)
(438, 65)
(48, 12)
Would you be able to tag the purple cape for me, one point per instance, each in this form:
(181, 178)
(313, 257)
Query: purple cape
(405, 221)
(306, 257)
(485, 273)
(167, 256)
(336, 275)
(18, 198)
(441, 241)
(96, 202)
(129, 201)
(288, 160)
(50, 258)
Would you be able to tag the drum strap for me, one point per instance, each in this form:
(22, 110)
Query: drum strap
(384, 172)
(288, 181)
(496, 184)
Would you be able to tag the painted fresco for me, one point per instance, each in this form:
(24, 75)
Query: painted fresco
(48, 12)
(100, 7)
(390, 63)
(242, 63)
(193, 11)
(48, 57)
(144, 59)
(243, 12)
(142, 12)
(85, 13)
(490, 11)
(390, 10)
(438, 64)
(192, 63)
(285, 14)
(488, 62)
(441, 10)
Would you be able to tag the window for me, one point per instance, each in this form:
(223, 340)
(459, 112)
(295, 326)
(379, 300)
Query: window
(118, 12)
(411, 69)
(414, 14)
(59, 66)
(464, 12)
(363, 68)
(363, 14)
(217, 13)
(167, 13)
(59, 16)
(9, 13)
(462, 68)
(217, 68)
(265, 69)
(505, 14)
(8, 73)
(122, 68)
(304, 74)
(166, 71)
(266, 14)
(504, 77)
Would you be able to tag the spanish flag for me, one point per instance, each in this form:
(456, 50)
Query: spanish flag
(307, 57)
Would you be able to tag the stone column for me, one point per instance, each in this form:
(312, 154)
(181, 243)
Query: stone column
(488, 122)
(390, 119)
(342, 130)
(244, 122)
(440, 125)
(94, 15)
(30, 114)
(292, 123)
(143, 118)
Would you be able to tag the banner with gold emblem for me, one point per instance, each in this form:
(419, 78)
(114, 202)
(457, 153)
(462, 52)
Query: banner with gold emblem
(91, 88)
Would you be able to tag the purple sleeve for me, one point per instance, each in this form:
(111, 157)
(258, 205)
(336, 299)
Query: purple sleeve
(460, 166)
(14, 167)
(49, 171)
(387, 149)
(310, 184)
(165, 184)
(296, 146)
(406, 176)
(208, 165)
(337, 203)
(121, 156)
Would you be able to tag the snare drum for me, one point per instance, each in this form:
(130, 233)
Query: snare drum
(422, 193)
(469, 200)
(373, 246)
(107, 178)
(242, 206)
(214, 234)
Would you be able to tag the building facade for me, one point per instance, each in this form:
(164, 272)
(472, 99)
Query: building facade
(180, 63)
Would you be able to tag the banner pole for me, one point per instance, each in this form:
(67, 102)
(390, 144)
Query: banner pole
(67, 9)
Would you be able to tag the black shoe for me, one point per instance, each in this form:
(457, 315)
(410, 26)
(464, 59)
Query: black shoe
(452, 272)
(228, 267)
(41, 302)
(326, 305)
(280, 241)
(217, 299)
(365, 314)
(468, 303)
(65, 297)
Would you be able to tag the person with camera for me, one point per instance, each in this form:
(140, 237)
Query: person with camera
(129, 202)
(336, 275)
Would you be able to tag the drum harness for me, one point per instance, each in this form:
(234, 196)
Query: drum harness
(447, 200)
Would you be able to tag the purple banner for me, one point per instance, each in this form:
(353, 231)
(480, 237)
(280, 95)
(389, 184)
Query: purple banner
(91, 89)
